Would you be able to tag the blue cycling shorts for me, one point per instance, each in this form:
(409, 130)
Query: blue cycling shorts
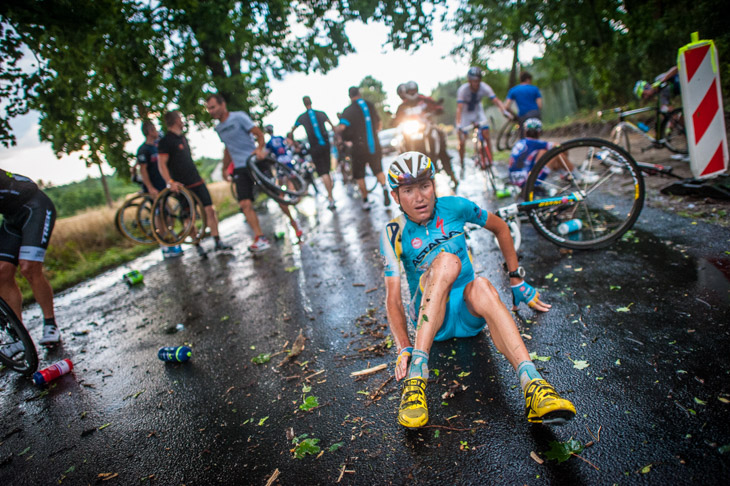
(458, 321)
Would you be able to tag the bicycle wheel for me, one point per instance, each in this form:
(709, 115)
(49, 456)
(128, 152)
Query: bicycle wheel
(488, 165)
(508, 135)
(609, 187)
(173, 220)
(128, 223)
(620, 137)
(200, 222)
(674, 132)
(17, 350)
(278, 180)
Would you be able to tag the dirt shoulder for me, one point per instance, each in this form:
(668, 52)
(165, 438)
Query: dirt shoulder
(706, 209)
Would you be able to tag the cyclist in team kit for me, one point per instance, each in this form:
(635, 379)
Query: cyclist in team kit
(447, 300)
(242, 138)
(528, 99)
(359, 125)
(670, 79)
(178, 169)
(152, 181)
(469, 110)
(417, 105)
(28, 219)
(314, 122)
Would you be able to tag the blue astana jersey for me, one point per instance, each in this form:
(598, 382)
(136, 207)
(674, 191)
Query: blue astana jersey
(416, 246)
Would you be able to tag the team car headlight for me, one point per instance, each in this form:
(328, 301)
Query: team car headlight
(412, 127)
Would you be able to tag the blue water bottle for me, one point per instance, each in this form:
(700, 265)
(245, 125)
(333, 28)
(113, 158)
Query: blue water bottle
(177, 354)
(570, 226)
(643, 127)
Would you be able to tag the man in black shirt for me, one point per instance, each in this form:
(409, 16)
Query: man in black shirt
(313, 122)
(28, 219)
(178, 169)
(359, 124)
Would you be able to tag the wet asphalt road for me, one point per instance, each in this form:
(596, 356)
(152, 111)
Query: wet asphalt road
(649, 316)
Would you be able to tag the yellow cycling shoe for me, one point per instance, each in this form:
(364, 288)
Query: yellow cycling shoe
(543, 405)
(413, 410)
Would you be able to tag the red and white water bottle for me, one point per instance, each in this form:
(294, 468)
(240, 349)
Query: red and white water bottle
(47, 375)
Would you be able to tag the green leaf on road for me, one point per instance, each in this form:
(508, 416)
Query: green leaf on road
(646, 469)
(561, 451)
(615, 287)
(309, 403)
(261, 358)
(724, 449)
(261, 422)
(625, 309)
(580, 364)
(302, 447)
(464, 374)
(25, 451)
(335, 446)
(291, 269)
(535, 357)
(700, 402)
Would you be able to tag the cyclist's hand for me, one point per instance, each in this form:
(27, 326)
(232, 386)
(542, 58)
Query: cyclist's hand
(526, 293)
(154, 192)
(260, 153)
(175, 186)
(401, 364)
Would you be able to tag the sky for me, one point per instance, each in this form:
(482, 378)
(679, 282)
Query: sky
(428, 66)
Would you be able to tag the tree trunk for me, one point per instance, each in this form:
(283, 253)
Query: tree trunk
(107, 195)
(515, 62)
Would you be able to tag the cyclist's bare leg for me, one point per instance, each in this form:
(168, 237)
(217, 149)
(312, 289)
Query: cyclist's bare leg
(252, 218)
(327, 181)
(483, 300)
(212, 220)
(559, 163)
(436, 283)
(9, 290)
(362, 187)
(462, 145)
(42, 291)
(287, 212)
(488, 145)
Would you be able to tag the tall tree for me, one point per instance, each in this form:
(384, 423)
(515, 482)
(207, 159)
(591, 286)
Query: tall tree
(372, 90)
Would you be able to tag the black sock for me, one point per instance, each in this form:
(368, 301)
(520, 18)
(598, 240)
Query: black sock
(217, 239)
(49, 321)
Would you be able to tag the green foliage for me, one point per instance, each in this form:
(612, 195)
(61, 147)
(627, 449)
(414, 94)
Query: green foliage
(308, 403)
(261, 358)
(561, 451)
(303, 446)
(372, 90)
(75, 197)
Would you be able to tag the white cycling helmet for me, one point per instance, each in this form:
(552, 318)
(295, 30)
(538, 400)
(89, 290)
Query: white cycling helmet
(410, 168)
(533, 124)
(401, 90)
(411, 91)
(474, 73)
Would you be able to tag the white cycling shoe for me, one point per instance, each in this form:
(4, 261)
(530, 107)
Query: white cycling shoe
(51, 335)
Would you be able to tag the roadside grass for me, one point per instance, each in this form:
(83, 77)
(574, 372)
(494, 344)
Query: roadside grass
(87, 244)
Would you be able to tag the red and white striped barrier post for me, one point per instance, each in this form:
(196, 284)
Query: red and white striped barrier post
(699, 78)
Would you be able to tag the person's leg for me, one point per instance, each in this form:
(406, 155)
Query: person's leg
(542, 402)
(212, 216)
(435, 284)
(252, 218)
(376, 165)
(9, 290)
(358, 173)
(488, 145)
(462, 140)
(42, 291)
(287, 212)
(327, 180)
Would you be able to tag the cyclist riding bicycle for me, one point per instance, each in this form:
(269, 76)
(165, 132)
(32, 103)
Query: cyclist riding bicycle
(528, 99)
(666, 84)
(28, 219)
(447, 300)
(469, 110)
(419, 107)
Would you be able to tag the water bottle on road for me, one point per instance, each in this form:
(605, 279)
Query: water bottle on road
(177, 354)
(47, 375)
(570, 226)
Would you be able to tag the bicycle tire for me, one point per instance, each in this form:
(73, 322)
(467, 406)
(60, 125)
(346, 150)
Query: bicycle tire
(281, 182)
(173, 222)
(508, 135)
(12, 331)
(488, 167)
(620, 137)
(144, 218)
(200, 221)
(606, 212)
(127, 222)
(675, 136)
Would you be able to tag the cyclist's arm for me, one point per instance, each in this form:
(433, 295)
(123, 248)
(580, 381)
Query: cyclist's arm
(260, 142)
(397, 321)
(539, 102)
(459, 109)
(496, 225)
(500, 105)
(227, 161)
(146, 179)
(162, 160)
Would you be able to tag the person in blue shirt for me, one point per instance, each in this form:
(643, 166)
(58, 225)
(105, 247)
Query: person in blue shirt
(526, 96)
(447, 300)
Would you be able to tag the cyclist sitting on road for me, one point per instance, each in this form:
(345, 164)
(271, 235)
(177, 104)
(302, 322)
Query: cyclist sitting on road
(242, 138)
(528, 151)
(314, 122)
(527, 97)
(152, 181)
(176, 166)
(447, 300)
(417, 105)
(469, 110)
(28, 219)
(666, 84)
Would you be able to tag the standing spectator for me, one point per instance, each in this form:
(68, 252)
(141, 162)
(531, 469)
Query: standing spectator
(237, 131)
(178, 169)
(313, 122)
(526, 96)
(151, 178)
(359, 124)
(28, 219)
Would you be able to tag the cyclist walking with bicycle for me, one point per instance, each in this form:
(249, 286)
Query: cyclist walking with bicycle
(527, 97)
(314, 122)
(242, 138)
(447, 300)
(28, 219)
(178, 169)
(470, 113)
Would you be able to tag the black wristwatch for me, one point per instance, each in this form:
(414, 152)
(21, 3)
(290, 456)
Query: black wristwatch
(519, 273)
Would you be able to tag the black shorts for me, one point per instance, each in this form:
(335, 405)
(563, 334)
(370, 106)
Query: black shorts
(244, 183)
(25, 235)
(362, 157)
(202, 192)
(321, 159)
